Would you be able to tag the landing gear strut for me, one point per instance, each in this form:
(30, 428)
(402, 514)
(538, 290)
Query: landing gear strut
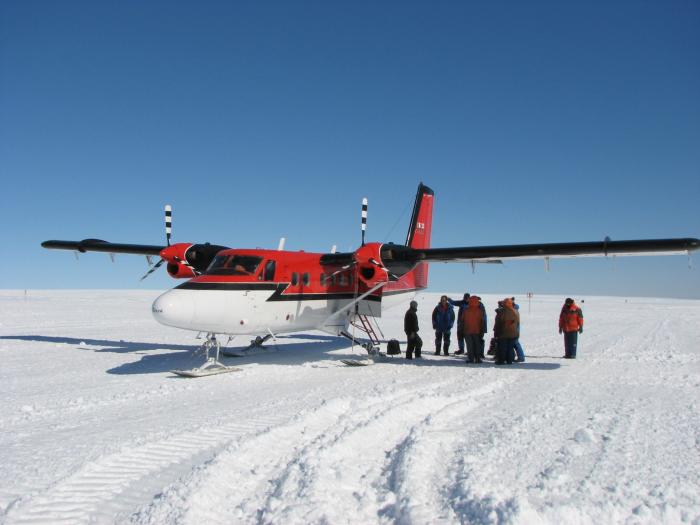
(255, 347)
(212, 365)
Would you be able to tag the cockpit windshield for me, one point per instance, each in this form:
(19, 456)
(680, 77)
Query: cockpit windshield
(234, 265)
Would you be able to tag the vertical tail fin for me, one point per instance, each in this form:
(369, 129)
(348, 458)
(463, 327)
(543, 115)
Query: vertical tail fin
(419, 231)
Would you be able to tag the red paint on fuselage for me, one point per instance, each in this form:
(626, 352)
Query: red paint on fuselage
(303, 273)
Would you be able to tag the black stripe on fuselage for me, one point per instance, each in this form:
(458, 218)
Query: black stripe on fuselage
(189, 285)
(278, 294)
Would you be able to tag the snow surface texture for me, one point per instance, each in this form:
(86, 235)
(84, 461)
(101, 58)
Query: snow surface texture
(95, 429)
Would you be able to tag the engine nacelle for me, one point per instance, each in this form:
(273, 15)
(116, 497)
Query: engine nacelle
(369, 264)
(176, 256)
(179, 271)
(186, 260)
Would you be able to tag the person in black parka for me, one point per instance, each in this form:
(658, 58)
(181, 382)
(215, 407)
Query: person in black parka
(410, 326)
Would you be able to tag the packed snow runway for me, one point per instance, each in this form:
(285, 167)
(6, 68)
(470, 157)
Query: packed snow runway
(95, 429)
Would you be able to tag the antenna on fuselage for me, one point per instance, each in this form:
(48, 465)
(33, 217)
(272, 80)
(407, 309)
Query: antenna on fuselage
(364, 219)
(280, 246)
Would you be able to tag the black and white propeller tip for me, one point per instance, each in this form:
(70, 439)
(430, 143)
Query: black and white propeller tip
(168, 234)
(168, 222)
(364, 219)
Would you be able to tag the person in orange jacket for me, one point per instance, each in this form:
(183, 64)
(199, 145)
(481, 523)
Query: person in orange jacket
(570, 324)
(474, 327)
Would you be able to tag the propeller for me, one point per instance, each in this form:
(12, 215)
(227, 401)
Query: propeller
(168, 222)
(168, 233)
(364, 219)
(153, 269)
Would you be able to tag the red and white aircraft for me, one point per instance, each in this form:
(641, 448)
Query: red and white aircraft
(266, 292)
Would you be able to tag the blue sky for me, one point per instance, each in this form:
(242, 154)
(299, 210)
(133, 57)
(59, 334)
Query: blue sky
(532, 122)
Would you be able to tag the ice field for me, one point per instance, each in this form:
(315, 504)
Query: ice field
(95, 429)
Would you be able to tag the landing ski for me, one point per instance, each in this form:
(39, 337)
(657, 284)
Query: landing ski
(210, 368)
(369, 360)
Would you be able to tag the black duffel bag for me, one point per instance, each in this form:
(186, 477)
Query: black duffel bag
(392, 347)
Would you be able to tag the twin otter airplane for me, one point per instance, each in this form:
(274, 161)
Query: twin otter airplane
(267, 292)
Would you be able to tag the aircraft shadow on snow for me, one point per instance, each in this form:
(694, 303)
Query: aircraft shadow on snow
(289, 354)
(182, 356)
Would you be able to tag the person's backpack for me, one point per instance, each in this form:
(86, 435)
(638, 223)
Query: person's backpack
(393, 348)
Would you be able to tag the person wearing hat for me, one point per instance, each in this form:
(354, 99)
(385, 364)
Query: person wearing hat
(570, 324)
(410, 326)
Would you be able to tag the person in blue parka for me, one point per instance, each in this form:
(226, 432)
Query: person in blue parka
(443, 320)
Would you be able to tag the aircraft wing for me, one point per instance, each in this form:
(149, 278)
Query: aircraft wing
(98, 245)
(557, 250)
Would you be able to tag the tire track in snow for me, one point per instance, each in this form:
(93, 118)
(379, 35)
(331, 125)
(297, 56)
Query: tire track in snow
(332, 448)
(379, 484)
(117, 483)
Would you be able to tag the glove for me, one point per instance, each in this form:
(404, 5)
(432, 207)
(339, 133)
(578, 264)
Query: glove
(580, 330)
(560, 331)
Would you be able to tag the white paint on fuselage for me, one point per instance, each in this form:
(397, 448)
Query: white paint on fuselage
(247, 312)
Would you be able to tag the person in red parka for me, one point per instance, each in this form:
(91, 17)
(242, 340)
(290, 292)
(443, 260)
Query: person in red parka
(570, 324)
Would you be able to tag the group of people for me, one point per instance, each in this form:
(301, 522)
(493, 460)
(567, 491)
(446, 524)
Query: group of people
(472, 327)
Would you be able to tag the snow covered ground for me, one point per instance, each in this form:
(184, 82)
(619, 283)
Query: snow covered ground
(95, 429)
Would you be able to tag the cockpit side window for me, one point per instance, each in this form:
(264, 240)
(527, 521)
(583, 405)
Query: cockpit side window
(234, 265)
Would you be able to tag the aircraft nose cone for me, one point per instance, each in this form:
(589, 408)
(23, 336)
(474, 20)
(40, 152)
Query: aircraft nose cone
(173, 308)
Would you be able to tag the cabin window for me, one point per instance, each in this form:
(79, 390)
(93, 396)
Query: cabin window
(295, 278)
(234, 265)
(322, 279)
(269, 273)
(305, 278)
(343, 279)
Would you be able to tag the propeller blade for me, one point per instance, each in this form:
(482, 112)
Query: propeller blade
(153, 269)
(168, 222)
(364, 219)
(382, 267)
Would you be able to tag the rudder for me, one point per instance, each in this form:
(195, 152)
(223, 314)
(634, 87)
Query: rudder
(419, 231)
